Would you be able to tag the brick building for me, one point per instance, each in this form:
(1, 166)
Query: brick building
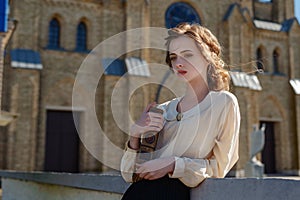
(55, 36)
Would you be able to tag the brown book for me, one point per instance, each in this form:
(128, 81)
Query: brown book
(147, 146)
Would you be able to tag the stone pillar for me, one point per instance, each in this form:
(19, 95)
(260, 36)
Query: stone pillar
(24, 100)
(4, 39)
(2, 46)
(297, 104)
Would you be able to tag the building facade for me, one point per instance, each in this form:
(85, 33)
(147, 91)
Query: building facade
(54, 37)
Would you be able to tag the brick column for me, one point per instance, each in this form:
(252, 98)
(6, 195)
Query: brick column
(297, 105)
(2, 45)
(4, 39)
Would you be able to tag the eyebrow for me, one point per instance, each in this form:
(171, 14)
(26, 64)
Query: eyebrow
(184, 51)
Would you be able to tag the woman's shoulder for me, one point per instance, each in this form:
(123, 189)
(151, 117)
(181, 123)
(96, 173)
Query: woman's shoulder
(224, 97)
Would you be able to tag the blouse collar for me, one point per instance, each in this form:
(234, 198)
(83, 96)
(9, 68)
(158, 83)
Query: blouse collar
(171, 111)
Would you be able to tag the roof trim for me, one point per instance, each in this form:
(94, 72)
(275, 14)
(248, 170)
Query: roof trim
(295, 83)
(230, 11)
(267, 25)
(25, 58)
(241, 79)
(137, 66)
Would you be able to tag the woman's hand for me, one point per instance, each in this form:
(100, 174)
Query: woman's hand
(149, 121)
(156, 168)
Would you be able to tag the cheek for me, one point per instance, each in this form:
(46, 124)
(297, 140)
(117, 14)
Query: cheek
(173, 66)
(199, 65)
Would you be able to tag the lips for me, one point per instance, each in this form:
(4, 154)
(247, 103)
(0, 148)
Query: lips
(182, 72)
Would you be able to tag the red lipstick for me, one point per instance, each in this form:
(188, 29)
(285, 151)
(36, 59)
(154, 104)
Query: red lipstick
(182, 72)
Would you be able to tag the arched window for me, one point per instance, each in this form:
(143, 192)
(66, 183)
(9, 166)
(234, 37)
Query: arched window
(81, 39)
(54, 34)
(275, 62)
(181, 12)
(259, 59)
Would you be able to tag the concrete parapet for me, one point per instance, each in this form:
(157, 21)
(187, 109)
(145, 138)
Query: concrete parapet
(248, 189)
(59, 186)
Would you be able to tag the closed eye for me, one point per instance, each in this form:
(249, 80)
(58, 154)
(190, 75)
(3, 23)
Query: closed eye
(172, 57)
(187, 55)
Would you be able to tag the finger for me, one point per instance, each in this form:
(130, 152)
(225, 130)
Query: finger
(155, 115)
(149, 106)
(139, 169)
(153, 177)
(142, 175)
(152, 129)
(150, 125)
(143, 171)
(156, 122)
(148, 176)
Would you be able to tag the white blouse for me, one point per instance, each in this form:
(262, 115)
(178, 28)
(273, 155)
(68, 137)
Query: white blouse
(204, 142)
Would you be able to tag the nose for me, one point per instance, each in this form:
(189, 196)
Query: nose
(178, 64)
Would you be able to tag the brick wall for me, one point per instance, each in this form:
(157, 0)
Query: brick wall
(32, 92)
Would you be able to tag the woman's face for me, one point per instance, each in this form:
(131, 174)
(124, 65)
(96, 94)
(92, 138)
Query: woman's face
(187, 61)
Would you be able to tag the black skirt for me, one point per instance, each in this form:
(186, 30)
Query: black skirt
(164, 188)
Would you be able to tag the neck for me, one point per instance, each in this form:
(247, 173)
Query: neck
(196, 90)
(195, 93)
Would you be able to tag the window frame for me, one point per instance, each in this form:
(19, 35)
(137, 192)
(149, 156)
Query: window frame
(54, 34)
(276, 61)
(181, 7)
(81, 37)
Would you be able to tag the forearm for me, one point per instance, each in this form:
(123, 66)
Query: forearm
(192, 171)
(128, 163)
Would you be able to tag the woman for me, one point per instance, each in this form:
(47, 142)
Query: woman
(198, 132)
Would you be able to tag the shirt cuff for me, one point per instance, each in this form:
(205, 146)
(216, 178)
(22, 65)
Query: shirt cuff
(127, 148)
(178, 169)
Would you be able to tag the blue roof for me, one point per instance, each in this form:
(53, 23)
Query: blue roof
(25, 58)
(287, 24)
(114, 67)
(229, 11)
(261, 24)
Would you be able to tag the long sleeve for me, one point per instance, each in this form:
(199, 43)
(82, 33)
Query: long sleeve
(224, 153)
(128, 163)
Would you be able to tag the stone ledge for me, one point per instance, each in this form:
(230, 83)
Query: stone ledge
(248, 189)
(100, 182)
(65, 185)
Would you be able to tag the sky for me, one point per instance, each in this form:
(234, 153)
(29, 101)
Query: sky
(297, 9)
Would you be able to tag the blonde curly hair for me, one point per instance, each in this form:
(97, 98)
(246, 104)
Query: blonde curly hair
(217, 77)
